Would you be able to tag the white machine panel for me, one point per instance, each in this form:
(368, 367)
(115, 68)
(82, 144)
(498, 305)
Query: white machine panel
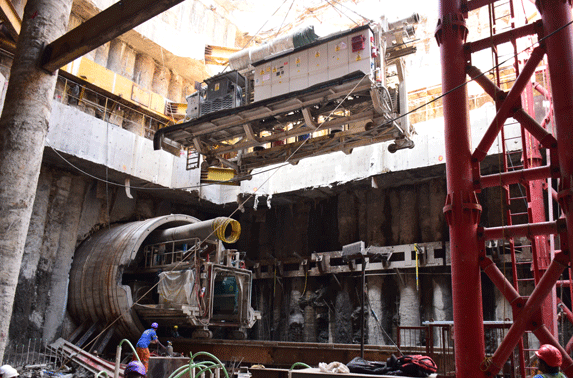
(298, 70)
(338, 58)
(317, 64)
(359, 49)
(263, 76)
(280, 76)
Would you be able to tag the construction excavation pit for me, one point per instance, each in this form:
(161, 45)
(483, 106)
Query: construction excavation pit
(172, 269)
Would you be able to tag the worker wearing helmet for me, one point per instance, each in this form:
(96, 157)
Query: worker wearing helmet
(134, 369)
(549, 362)
(8, 371)
(175, 331)
(142, 347)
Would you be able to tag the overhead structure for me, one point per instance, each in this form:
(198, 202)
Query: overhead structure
(301, 96)
(108, 24)
(535, 312)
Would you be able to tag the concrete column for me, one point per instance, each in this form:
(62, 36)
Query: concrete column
(143, 71)
(277, 300)
(342, 314)
(395, 213)
(127, 62)
(116, 48)
(295, 319)
(408, 215)
(409, 309)
(347, 218)
(161, 78)
(309, 317)
(21, 328)
(442, 298)
(437, 194)
(23, 128)
(441, 303)
(188, 88)
(425, 220)
(59, 279)
(102, 54)
(175, 87)
(375, 336)
(376, 217)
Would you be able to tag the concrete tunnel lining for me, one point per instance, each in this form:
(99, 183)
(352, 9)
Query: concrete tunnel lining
(96, 292)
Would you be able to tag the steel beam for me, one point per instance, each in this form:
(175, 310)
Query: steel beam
(500, 281)
(508, 36)
(462, 209)
(520, 115)
(475, 4)
(11, 19)
(528, 230)
(523, 320)
(514, 177)
(557, 19)
(508, 104)
(103, 27)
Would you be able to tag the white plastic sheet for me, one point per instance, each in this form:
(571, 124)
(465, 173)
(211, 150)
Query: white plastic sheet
(175, 288)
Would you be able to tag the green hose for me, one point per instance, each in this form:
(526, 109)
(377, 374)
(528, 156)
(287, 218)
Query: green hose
(104, 372)
(202, 365)
(131, 346)
(299, 364)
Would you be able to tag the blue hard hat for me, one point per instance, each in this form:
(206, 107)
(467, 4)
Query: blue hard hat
(135, 367)
(154, 325)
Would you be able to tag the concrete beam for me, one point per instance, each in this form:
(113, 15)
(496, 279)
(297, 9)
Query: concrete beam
(105, 26)
(11, 19)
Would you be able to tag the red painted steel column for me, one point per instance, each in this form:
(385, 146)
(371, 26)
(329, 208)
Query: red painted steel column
(536, 210)
(555, 14)
(462, 209)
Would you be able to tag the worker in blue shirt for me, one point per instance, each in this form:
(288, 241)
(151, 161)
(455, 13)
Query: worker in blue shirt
(142, 347)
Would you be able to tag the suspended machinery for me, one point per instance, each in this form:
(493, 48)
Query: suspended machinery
(301, 96)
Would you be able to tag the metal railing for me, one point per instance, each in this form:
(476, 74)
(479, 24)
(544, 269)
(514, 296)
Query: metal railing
(32, 353)
(436, 340)
(103, 107)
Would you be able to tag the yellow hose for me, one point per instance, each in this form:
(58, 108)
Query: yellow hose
(220, 226)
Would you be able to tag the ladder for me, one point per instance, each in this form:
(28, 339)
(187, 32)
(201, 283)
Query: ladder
(193, 158)
(517, 197)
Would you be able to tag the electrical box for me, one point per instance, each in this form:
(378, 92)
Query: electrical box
(318, 64)
(192, 106)
(338, 58)
(263, 81)
(325, 59)
(360, 58)
(224, 91)
(298, 66)
(280, 76)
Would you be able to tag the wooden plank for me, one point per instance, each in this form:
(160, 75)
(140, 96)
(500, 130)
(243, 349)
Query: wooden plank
(11, 19)
(105, 26)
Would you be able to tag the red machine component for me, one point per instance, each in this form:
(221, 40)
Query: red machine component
(358, 43)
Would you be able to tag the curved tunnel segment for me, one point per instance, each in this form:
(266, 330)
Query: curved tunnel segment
(98, 291)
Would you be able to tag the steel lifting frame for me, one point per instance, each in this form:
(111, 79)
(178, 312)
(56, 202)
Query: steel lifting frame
(462, 209)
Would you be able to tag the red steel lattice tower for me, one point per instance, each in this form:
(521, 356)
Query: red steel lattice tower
(464, 178)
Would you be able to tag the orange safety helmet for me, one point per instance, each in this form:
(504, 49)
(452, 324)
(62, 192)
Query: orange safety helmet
(549, 354)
